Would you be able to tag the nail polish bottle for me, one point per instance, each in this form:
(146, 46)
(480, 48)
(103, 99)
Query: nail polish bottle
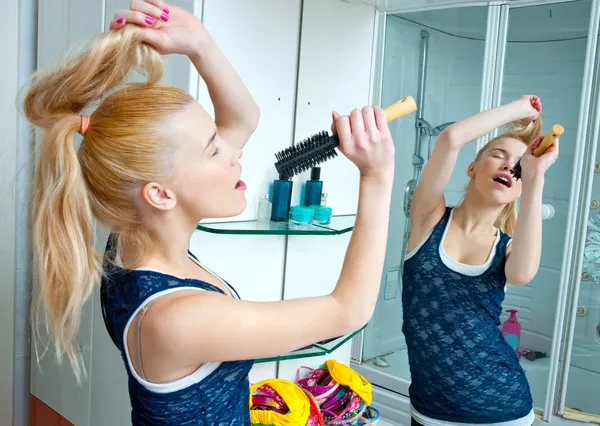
(313, 188)
(282, 197)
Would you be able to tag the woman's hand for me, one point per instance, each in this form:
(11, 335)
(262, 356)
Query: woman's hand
(365, 139)
(533, 166)
(531, 107)
(169, 29)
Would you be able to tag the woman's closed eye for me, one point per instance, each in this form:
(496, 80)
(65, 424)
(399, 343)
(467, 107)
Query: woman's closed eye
(216, 152)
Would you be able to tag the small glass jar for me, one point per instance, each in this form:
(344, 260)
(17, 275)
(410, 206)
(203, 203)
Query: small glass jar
(264, 210)
(323, 199)
(322, 215)
(301, 215)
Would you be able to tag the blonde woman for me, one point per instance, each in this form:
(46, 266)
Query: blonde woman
(151, 165)
(458, 264)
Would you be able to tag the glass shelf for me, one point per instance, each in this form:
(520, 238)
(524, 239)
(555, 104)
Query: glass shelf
(339, 225)
(314, 350)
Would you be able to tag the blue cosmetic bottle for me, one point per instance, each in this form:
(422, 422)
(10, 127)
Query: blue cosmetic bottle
(282, 197)
(313, 188)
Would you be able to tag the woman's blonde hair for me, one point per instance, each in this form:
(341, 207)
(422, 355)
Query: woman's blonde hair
(526, 132)
(125, 146)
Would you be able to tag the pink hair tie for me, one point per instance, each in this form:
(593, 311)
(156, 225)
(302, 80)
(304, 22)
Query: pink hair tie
(85, 123)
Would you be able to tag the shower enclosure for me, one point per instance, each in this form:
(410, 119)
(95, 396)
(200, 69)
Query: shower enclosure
(458, 58)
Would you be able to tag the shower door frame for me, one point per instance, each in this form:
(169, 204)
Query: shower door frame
(491, 91)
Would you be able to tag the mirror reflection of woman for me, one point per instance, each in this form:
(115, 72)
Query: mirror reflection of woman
(459, 262)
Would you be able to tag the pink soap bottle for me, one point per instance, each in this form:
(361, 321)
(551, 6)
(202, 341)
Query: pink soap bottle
(511, 328)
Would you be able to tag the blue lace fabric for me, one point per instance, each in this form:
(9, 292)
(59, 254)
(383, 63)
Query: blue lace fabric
(462, 369)
(221, 399)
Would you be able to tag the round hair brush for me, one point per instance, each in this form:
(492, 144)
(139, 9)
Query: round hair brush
(546, 143)
(321, 146)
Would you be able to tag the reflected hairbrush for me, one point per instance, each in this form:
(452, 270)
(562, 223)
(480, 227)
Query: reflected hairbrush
(546, 143)
(321, 146)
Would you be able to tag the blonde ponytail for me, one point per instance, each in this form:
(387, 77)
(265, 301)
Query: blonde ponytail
(525, 131)
(73, 84)
(65, 262)
(124, 147)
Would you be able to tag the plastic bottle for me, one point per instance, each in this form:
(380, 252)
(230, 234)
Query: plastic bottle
(511, 328)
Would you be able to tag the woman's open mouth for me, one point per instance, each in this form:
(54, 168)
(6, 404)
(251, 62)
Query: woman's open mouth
(503, 179)
(240, 185)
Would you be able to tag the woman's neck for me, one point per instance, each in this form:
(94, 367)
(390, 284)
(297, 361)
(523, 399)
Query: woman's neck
(475, 216)
(170, 252)
(170, 241)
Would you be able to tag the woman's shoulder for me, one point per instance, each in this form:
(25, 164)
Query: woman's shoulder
(504, 237)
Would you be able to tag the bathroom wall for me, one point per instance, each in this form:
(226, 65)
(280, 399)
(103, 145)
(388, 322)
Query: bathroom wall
(15, 149)
(8, 156)
(453, 88)
(298, 73)
(21, 373)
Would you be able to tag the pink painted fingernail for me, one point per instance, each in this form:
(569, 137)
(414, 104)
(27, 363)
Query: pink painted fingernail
(164, 17)
(166, 10)
(120, 21)
(149, 20)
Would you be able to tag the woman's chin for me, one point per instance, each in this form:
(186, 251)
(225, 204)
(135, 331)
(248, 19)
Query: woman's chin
(501, 200)
(497, 195)
(236, 210)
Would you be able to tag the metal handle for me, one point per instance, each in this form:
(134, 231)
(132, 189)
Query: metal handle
(409, 192)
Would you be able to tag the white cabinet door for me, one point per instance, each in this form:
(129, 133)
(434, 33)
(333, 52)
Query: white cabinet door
(334, 74)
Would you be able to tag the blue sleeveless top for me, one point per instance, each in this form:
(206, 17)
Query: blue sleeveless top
(462, 369)
(219, 399)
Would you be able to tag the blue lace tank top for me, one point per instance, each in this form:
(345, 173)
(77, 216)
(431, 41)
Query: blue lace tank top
(462, 369)
(217, 396)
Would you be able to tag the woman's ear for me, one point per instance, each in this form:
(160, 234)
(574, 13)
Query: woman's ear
(159, 196)
(471, 170)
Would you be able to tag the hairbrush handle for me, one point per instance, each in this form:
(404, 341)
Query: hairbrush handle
(551, 137)
(401, 108)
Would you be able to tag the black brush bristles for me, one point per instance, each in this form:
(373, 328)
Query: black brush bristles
(306, 154)
(516, 170)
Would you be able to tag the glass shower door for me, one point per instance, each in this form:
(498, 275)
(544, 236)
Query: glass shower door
(437, 57)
